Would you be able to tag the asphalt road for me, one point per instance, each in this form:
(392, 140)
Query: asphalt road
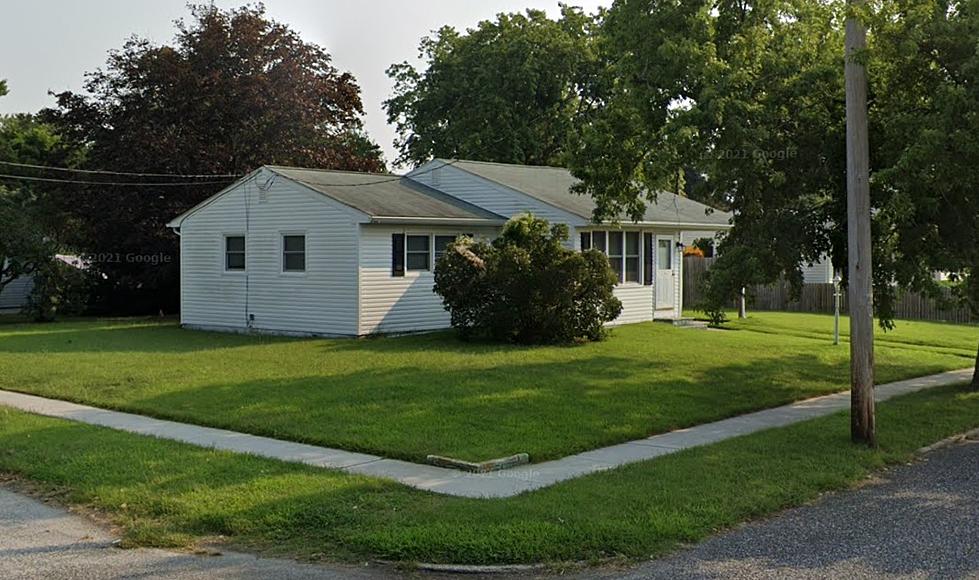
(918, 521)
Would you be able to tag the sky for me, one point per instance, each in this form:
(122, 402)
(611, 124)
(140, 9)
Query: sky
(48, 45)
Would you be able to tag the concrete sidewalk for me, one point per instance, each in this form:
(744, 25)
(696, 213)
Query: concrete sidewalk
(452, 482)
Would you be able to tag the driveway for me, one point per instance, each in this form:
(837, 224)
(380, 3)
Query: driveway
(45, 542)
(917, 521)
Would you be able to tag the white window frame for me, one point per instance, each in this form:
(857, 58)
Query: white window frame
(224, 253)
(282, 253)
(605, 235)
(434, 249)
(431, 250)
(626, 255)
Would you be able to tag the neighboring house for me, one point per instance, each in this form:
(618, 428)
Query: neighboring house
(14, 295)
(819, 273)
(301, 251)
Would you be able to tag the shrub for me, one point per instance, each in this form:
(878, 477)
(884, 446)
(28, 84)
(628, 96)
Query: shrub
(526, 286)
(59, 289)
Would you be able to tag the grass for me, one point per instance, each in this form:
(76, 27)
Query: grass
(170, 494)
(411, 396)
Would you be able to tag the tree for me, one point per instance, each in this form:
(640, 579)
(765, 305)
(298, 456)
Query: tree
(925, 114)
(234, 90)
(24, 249)
(527, 286)
(746, 94)
(508, 90)
(25, 245)
(751, 94)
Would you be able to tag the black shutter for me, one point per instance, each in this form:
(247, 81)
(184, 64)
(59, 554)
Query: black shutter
(648, 272)
(585, 241)
(397, 254)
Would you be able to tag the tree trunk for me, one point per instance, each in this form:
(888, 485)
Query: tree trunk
(975, 374)
(862, 420)
(742, 306)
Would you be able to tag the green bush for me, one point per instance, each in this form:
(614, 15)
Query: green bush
(59, 289)
(526, 286)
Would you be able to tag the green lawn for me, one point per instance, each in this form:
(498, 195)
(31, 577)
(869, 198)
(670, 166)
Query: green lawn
(171, 494)
(410, 396)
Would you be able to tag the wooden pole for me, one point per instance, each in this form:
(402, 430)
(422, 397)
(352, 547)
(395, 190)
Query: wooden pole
(861, 299)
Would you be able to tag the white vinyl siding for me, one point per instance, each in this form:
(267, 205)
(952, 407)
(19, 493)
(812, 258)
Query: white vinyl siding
(320, 300)
(401, 303)
(819, 273)
(14, 295)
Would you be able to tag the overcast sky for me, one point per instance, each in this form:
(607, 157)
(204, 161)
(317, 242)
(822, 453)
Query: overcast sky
(47, 45)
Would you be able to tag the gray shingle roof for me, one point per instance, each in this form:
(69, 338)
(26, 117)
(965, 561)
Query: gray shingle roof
(381, 195)
(552, 185)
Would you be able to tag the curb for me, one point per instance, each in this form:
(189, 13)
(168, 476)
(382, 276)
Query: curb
(484, 467)
(949, 441)
(477, 569)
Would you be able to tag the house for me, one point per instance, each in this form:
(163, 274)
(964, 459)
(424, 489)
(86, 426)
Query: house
(14, 295)
(820, 272)
(311, 252)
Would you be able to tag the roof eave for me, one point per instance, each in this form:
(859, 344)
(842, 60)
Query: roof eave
(415, 220)
(671, 224)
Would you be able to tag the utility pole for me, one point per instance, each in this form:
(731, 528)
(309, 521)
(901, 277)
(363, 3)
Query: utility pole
(861, 298)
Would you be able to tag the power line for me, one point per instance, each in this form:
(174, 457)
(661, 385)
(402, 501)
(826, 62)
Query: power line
(131, 174)
(215, 182)
(111, 183)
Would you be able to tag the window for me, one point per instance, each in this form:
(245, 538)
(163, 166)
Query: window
(632, 256)
(293, 253)
(418, 253)
(441, 243)
(664, 256)
(615, 247)
(234, 253)
(598, 241)
(585, 241)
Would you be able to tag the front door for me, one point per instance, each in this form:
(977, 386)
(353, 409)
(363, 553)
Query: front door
(664, 272)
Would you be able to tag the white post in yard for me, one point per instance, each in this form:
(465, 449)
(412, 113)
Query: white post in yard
(678, 282)
(836, 307)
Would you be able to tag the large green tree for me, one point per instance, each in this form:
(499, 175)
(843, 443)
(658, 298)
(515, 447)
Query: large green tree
(26, 246)
(743, 94)
(924, 66)
(508, 90)
(233, 91)
(750, 93)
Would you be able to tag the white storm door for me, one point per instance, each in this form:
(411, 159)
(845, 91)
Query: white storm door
(664, 272)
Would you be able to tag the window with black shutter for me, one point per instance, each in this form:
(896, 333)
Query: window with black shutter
(397, 254)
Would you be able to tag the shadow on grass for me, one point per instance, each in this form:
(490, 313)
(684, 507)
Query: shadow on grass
(547, 409)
